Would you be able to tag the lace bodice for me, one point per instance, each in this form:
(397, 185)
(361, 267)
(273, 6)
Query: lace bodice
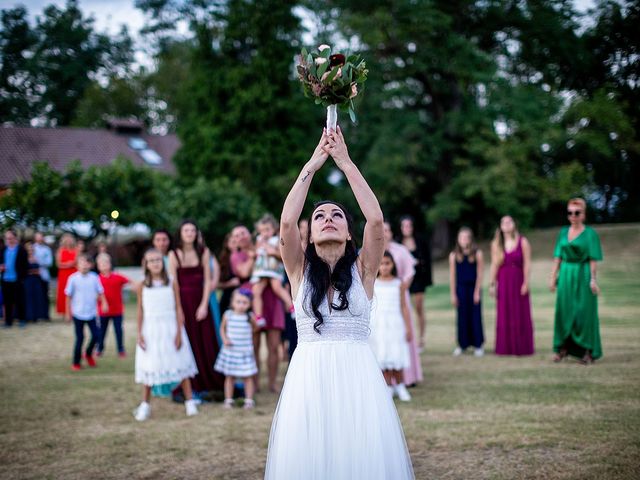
(350, 325)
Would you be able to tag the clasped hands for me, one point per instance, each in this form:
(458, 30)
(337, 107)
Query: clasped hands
(331, 144)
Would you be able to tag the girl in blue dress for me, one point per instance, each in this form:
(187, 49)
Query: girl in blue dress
(465, 282)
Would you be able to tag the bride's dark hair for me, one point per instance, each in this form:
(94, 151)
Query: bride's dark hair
(319, 275)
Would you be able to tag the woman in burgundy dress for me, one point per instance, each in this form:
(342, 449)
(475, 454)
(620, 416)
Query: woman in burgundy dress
(189, 267)
(510, 266)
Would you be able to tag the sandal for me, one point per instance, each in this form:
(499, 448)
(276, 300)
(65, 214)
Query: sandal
(587, 359)
(558, 357)
(249, 403)
(228, 403)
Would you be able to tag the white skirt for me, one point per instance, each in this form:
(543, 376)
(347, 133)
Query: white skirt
(161, 362)
(335, 418)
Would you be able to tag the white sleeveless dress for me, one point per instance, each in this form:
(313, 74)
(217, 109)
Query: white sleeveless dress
(161, 362)
(335, 418)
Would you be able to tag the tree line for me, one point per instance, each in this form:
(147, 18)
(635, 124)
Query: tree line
(472, 109)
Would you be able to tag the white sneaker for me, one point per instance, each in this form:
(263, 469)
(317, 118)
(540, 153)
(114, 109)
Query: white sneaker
(191, 408)
(403, 393)
(392, 390)
(479, 352)
(457, 352)
(143, 412)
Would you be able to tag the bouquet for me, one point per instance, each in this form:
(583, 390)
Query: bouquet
(332, 80)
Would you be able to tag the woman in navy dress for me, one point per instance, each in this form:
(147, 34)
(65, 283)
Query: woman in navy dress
(465, 280)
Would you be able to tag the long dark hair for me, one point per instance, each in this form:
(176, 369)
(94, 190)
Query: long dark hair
(198, 244)
(225, 260)
(394, 269)
(319, 274)
(162, 231)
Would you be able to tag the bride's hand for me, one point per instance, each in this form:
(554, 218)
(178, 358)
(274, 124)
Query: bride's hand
(320, 154)
(338, 149)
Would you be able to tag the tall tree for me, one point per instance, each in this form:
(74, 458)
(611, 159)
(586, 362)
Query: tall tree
(69, 53)
(240, 111)
(46, 69)
(17, 41)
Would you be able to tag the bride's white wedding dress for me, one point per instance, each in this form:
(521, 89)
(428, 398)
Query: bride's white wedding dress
(335, 418)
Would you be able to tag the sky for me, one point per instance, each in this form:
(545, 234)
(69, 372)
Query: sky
(111, 14)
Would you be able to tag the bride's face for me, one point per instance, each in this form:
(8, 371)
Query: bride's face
(329, 224)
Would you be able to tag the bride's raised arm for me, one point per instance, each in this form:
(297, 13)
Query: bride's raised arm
(290, 246)
(373, 239)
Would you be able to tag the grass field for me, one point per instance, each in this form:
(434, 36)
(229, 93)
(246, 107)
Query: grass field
(487, 418)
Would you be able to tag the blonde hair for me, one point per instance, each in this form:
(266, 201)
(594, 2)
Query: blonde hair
(69, 239)
(497, 244)
(269, 219)
(103, 256)
(148, 280)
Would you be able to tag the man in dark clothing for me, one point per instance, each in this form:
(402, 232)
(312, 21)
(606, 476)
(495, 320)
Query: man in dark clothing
(13, 270)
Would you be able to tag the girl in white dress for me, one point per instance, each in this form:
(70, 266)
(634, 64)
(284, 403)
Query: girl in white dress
(390, 332)
(163, 353)
(335, 419)
(237, 358)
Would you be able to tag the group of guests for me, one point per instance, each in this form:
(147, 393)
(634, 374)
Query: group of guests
(574, 276)
(214, 338)
(24, 270)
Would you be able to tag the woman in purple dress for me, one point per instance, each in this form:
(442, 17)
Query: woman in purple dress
(189, 267)
(510, 266)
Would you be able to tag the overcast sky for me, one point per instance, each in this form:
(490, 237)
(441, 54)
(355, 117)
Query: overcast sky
(111, 14)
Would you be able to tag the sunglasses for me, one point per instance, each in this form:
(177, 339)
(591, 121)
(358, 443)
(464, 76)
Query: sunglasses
(574, 213)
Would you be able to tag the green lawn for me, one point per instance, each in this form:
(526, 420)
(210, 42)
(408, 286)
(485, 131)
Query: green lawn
(494, 418)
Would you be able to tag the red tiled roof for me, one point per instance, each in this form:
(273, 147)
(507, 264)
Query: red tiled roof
(20, 147)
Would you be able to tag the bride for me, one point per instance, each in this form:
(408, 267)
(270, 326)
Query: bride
(335, 418)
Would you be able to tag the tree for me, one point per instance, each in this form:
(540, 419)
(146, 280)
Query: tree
(17, 41)
(46, 69)
(68, 54)
(216, 205)
(240, 110)
(54, 198)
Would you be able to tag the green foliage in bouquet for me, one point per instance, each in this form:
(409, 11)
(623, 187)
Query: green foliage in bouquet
(332, 79)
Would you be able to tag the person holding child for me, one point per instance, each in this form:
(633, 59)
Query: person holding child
(268, 268)
(242, 261)
(163, 352)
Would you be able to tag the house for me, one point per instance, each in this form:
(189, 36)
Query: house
(21, 147)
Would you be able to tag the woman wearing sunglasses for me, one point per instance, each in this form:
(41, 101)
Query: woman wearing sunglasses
(577, 329)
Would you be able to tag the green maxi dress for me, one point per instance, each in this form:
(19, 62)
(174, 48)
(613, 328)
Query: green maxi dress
(576, 323)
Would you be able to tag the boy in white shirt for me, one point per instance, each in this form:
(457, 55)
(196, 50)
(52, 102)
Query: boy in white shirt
(83, 291)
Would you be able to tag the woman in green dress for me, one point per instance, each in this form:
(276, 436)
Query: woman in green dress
(577, 329)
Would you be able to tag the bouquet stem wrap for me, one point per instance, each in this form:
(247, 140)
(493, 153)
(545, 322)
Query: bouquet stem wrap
(332, 117)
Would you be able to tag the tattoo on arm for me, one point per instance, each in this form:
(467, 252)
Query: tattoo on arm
(306, 175)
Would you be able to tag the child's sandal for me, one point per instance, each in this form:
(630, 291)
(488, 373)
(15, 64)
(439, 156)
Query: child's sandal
(249, 403)
(228, 403)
